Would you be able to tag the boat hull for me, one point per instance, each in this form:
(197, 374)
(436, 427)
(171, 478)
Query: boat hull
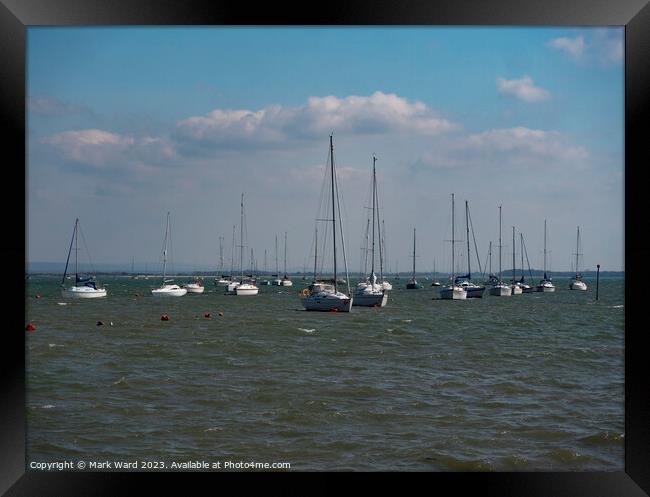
(578, 285)
(413, 286)
(516, 290)
(169, 291)
(475, 292)
(328, 303)
(452, 293)
(527, 289)
(246, 290)
(370, 299)
(193, 288)
(545, 289)
(286, 283)
(501, 291)
(80, 292)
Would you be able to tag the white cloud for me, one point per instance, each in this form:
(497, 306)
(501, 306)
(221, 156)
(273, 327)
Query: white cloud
(99, 149)
(364, 115)
(523, 89)
(604, 46)
(575, 47)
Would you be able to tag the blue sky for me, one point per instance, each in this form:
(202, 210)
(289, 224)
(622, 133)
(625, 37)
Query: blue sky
(127, 123)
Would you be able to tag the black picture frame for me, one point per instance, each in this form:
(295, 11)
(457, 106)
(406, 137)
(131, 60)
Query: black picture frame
(16, 15)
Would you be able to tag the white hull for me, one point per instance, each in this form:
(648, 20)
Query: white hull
(452, 293)
(501, 291)
(516, 289)
(223, 282)
(474, 291)
(578, 285)
(545, 288)
(246, 289)
(276, 282)
(231, 287)
(370, 299)
(169, 291)
(194, 288)
(286, 283)
(327, 302)
(386, 285)
(83, 292)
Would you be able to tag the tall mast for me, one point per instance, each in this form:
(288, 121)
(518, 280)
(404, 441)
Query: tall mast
(379, 234)
(285, 254)
(513, 254)
(413, 254)
(453, 238)
(232, 253)
(365, 258)
(67, 261)
(241, 239)
(277, 271)
(265, 261)
(165, 249)
(500, 245)
(221, 254)
(315, 251)
(469, 272)
(544, 248)
(333, 210)
(76, 249)
(490, 252)
(372, 264)
(577, 248)
(521, 248)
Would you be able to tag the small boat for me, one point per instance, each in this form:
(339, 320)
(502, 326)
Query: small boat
(453, 291)
(265, 281)
(324, 295)
(85, 287)
(499, 288)
(222, 280)
(577, 283)
(168, 287)
(196, 286)
(369, 293)
(545, 284)
(413, 284)
(435, 281)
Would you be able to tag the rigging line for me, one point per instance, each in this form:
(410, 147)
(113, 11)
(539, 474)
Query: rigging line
(65, 272)
(92, 268)
(469, 212)
(338, 203)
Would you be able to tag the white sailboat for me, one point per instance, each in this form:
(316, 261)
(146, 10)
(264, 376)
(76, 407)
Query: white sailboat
(285, 281)
(474, 291)
(577, 283)
(499, 289)
(85, 287)
(545, 284)
(196, 286)
(413, 283)
(370, 293)
(232, 283)
(221, 280)
(324, 295)
(168, 288)
(277, 281)
(452, 291)
(245, 287)
(265, 281)
(525, 287)
(515, 286)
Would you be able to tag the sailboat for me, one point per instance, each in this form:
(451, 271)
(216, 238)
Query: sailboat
(196, 286)
(245, 287)
(85, 287)
(324, 295)
(232, 283)
(265, 281)
(370, 293)
(545, 284)
(221, 280)
(413, 284)
(515, 287)
(453, 291)
(435, 281)
(577, 283)
(285, 281)
(277, 281)
(167, 289)
(499, 289)
(473, 290)
(525, 287)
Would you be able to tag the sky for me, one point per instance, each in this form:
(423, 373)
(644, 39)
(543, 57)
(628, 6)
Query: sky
(125, 124)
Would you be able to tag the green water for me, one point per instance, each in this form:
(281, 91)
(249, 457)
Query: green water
(529, 382)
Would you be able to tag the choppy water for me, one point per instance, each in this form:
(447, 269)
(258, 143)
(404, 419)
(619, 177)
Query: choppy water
(530, 382)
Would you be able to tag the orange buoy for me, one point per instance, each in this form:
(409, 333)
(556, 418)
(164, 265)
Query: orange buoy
(30, 327)
(164, 317)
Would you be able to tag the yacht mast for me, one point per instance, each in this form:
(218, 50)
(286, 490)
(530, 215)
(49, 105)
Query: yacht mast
(372, 264)
(333, 211)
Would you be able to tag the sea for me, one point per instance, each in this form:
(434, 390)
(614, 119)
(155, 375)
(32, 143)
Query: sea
(532, 382)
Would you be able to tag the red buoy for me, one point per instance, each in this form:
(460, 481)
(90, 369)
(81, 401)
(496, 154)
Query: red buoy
(30, 327)
(164, 317)
(207, 315)
(38, 295)
(334, 309)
